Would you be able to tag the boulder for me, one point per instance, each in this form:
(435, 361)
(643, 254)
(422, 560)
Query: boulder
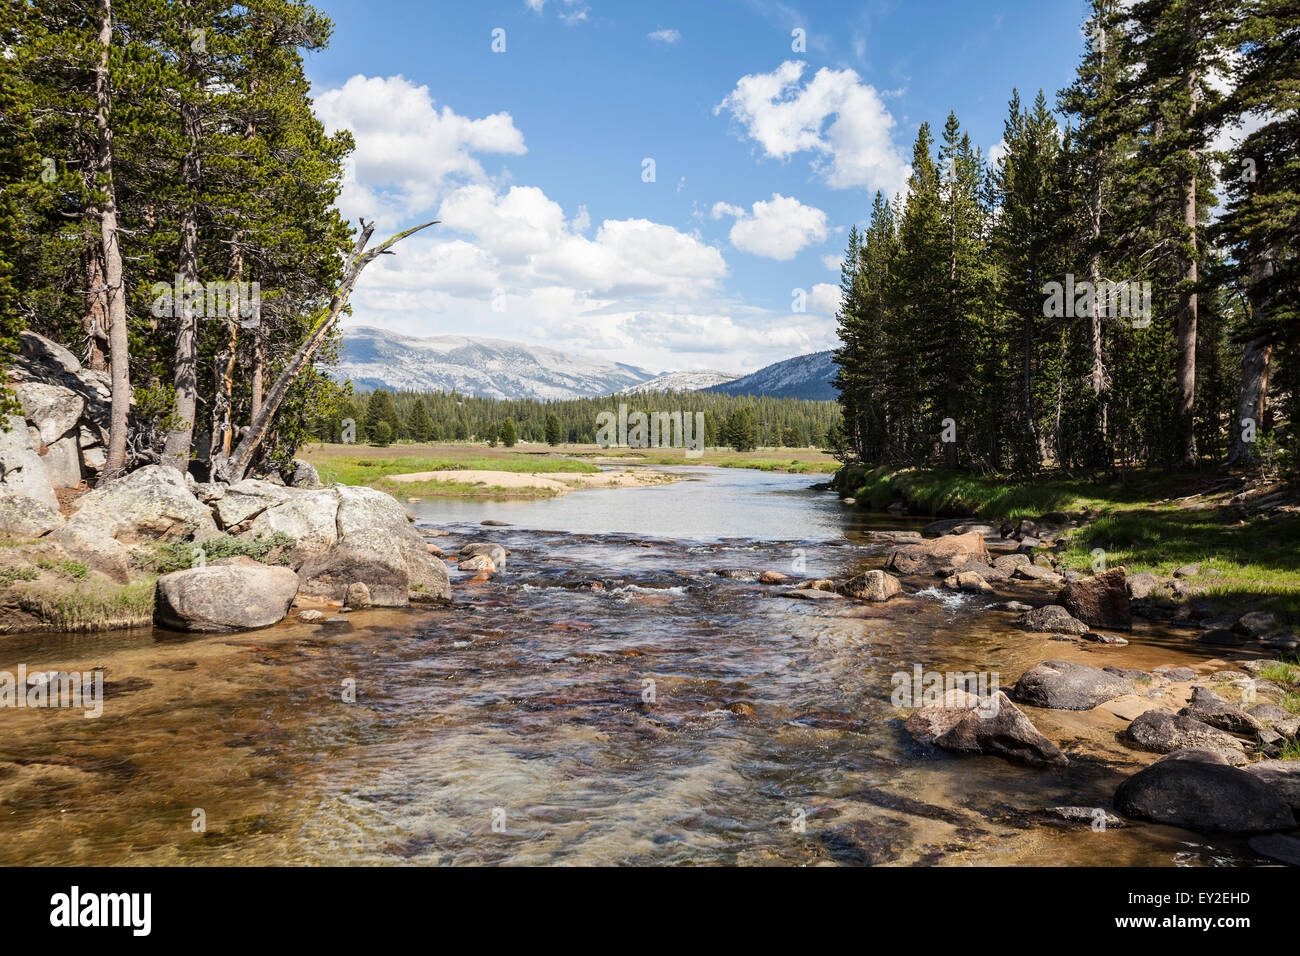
(872, 586)
(772, 577)
(1282, 777)
(304, 475)
(228, 597)
(22, 470)
(63, 462)
(1009, 562)
(1035, 572)
(1209, 708)
(1100, 600)
(477, 562)
(495, 552)
(309, 517)
(245, 500)
(1142, 585)
(937, 554)
(1164, 733)
(1067, 685)
(47, 352)
(1052, 619)
(375, 545)
(26, 517)
(1255, 624)
(1196, 792)
(1001, 730)
(357, 594)
(149, 505)
(53, 408)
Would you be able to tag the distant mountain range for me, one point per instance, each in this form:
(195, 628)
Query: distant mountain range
(804, 376)
(682, 382)
(496, 368)
(487, 368)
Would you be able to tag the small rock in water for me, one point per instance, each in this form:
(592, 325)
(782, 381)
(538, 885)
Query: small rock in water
(478, 562)
(1165, 733)
(1087, 815)
(1175, 673)
(1015, 606)
(1197, 790)
(1068, 685)
(310, 615)
(357, 595)
(1052, 619)
(492, 523)
(1097, 638)
(872, 586)
(772, 577)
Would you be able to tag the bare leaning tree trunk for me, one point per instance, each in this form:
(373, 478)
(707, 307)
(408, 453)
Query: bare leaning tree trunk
(236, 466)
(112, 255)
(94, 321)
(176, 448)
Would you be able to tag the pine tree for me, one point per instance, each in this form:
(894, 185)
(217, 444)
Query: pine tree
(553, 433)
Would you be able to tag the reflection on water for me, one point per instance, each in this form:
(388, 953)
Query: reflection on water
(609, 699)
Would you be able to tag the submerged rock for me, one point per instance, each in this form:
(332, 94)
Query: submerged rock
(1052, 619)
(1067, 685)
(1197, 790)
(225, 597)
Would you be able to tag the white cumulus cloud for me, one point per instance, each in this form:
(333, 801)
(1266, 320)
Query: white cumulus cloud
(842, 121)
(777, 228)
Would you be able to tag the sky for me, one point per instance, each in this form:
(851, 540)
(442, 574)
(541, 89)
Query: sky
(664, 184)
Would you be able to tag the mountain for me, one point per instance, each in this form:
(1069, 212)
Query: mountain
(682, 382)
(488, 368)
(804, 376)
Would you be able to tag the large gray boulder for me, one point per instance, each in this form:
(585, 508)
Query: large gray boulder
(309, 517)
(938, 554)
(376, 546)
(245, 500)
(981, 727)
(1198, 791)
(1068, 685)
(1164, 733)
(26, 517)
(1100, 600)
(225, 597)
(52, 408)
(22, 469)
(304, 475)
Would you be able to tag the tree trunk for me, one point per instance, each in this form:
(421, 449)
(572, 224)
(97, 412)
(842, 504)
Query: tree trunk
(176, 448)
(224, 373)
(1185, 373)
(94, 322)
(1255, 362)
(115, 294)
(234, 468)
(259, 365)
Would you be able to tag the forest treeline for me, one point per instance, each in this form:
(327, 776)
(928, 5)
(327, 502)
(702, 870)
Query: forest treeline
(167, 210)
(1107, 291)
(740, 422)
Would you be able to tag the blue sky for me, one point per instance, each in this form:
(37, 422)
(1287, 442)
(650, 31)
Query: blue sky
(764, 155)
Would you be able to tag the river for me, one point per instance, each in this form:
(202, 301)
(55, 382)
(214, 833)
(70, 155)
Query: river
(607, 700)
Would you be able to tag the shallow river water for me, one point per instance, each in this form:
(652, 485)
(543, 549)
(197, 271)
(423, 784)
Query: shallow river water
(608, 699)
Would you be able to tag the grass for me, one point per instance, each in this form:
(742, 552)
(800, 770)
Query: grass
(95, 609)
(74, 570)
(1280, 673)
(361, 465)
(1290, 750)
(11, 575)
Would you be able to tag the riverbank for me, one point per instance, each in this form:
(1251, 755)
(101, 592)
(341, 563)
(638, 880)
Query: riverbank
(448, 465)
(1212, 537)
